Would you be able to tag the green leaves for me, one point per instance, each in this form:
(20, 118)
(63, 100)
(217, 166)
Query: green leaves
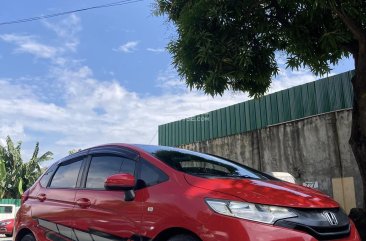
(2, 176)
(20, 186)
(2, 169)
(15, 174)
(225, 45)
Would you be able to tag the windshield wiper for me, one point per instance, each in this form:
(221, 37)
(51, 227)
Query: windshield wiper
(222, 176)
(242, 176)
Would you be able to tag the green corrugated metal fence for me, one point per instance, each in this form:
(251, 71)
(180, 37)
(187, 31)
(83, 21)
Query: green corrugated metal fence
(10, 201)
(321, 96)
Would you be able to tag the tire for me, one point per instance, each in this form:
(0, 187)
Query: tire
(8, 235)
(28, 237)
(182, 237)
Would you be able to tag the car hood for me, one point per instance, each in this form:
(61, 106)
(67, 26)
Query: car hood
(277, 193)
(7, 220)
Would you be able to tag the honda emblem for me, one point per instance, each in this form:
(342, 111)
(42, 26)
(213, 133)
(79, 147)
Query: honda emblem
(330, 217)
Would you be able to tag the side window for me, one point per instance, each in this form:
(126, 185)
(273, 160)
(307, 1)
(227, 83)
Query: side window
(6, 209)
(66, 175)
(151, 175)
(128, 166)
(104, 166)
(46, 177)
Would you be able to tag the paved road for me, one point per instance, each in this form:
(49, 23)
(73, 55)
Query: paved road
(2, 238)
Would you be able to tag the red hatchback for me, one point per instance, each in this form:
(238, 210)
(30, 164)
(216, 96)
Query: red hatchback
(6, 227)
(141, 192)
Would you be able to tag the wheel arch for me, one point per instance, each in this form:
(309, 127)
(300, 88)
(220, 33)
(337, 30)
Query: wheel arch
(170, 232)
(22, 233)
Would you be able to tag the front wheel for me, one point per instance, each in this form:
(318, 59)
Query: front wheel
(28, 237)
(182, 237)
(8, 235)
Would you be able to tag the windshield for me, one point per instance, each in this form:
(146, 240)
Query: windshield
(6, 209)
(200, 164)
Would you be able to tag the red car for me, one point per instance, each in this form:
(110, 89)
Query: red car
(142, 192)
(6, 227)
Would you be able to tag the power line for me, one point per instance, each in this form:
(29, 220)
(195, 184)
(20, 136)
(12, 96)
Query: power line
(153, 137)
(119, 3)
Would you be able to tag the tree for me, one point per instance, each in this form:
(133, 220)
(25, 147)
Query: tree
(231, 44)
(73, 151)
(15, 175)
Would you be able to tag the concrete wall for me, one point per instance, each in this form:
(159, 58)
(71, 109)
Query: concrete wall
(311, 149)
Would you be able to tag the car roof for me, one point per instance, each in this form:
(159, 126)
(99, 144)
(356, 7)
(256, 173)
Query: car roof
(131, 147)
(137, 148)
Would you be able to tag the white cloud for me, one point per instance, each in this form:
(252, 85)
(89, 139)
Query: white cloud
(16, 129)
(67, 30)
(169, 81)
(287, 79)
(29, 44)
(9, 90)
(128, 47)
(156, 50)
(125, 117)
(122, 116)
(95, 111)
(68, 41)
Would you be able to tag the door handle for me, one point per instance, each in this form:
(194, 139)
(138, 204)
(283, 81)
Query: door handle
(41, 197)
(83, 202)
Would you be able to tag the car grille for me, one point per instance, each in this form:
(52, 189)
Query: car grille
(323, 224)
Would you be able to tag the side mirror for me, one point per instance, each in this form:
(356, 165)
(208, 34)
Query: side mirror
(123, 181)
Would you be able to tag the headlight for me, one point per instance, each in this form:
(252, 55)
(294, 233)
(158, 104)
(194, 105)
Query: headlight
(250, 211)
(4, 223)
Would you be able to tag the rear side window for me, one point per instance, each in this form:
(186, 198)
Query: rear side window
(104, 166)
(47, 176)
(151, 175)
(66, 175)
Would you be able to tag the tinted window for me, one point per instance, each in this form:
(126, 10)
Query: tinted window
(102, 167)
(151, 175)
(128, 166)
(200, 164)
(6, 209)
(66, 175)
(46, 177)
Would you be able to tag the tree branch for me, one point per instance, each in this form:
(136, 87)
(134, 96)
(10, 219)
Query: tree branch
(280, 15)
(351, 47)
(351, 25)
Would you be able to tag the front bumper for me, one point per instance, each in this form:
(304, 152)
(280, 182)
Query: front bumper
(232, 229)
(5, 230)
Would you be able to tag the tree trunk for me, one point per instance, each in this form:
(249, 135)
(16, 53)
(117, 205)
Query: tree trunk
(358, 144)
(358, 132)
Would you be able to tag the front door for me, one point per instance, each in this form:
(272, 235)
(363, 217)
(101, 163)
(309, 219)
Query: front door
(103, 214)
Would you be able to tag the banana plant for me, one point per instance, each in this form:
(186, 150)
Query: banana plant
(2, 177)
(15, 174)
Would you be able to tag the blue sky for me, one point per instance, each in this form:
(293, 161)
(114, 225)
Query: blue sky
(96, 77)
